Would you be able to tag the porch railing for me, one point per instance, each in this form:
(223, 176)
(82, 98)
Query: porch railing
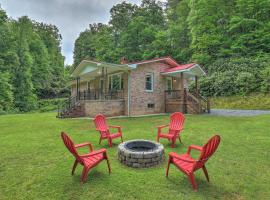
(100, 95)
(173, 94)
(198, 102)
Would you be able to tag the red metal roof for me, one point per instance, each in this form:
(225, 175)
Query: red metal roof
(179, 68)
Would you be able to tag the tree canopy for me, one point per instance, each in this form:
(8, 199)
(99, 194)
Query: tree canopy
(31, 63)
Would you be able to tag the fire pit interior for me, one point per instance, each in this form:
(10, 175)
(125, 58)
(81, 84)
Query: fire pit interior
(140, 153)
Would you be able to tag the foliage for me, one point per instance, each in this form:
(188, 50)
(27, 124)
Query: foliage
(233, 76)
(45, 105)
(265, 87)
(248, 102)
(33, 156)
(134, 32)
(6, 95)
(30, 56)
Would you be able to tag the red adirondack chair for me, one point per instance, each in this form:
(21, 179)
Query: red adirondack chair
(103, 128)
(89, 160)
(189, 165)
(175, 127)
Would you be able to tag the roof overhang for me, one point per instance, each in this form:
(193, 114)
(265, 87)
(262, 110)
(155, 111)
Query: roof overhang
(193, 70)
(92, 69)
(170, 61)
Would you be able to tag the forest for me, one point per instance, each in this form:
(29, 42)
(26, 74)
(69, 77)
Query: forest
(31, 63)
(230, 39)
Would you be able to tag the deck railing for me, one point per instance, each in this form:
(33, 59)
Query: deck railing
(198, 102)
(94, 94)
(74, 101)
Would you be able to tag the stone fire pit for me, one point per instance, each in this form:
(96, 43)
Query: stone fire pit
(140, 153)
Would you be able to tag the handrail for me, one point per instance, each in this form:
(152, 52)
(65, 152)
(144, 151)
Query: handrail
(66, 105)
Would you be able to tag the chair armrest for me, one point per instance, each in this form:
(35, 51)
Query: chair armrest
(162, 126)
(97, 129)
(113, 126)
(118, 127)
(100, 151)
(176, 156)
(198, 148)
(85, 144)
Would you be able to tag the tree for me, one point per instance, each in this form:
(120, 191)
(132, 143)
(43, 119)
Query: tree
(6, 95)
(25, 99)
(250, 27)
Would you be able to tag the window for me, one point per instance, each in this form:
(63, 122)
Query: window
(150, 105)
(149, 82)
(169, 83)
(115, 82)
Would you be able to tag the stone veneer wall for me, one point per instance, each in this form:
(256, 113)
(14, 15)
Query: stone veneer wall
(106, 107)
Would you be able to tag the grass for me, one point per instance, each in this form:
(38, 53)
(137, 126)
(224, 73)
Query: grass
(251, 102)
(36, 165)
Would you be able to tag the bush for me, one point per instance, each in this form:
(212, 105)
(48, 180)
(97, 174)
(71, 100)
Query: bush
(265, 87)
(224, 83)
(236, 76)
(245, 83)
(6, 95)
(45, 105)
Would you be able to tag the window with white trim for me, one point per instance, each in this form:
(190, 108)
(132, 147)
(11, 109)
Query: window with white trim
(115, 82)
(149, 82)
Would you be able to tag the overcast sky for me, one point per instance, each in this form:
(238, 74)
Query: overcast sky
(70, 16)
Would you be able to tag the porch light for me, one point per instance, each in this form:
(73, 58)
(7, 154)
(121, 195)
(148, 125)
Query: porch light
(174, 79)
(99, 72)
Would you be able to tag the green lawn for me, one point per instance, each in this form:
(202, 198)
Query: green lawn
(36, 165)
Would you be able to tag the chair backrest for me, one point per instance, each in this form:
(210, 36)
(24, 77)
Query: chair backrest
(70, 146)
(100, 122)
(208, 150)
(177, 120)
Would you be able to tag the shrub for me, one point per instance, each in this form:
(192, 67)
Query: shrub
(236, 76)
(245, 83)
(265, 87)
(6, 95)
(45, 105)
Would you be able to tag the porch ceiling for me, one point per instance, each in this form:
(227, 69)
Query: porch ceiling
(91, 69)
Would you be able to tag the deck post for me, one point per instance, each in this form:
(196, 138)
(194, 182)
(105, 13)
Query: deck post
(183, 93)
(77, 87)
(197, 92)
(196, 86)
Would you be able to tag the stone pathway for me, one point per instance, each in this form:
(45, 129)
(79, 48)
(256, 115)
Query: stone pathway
(229, 112)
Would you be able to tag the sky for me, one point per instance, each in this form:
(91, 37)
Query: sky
(70, 16)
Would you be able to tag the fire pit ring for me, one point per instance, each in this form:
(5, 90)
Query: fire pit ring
(140, 153)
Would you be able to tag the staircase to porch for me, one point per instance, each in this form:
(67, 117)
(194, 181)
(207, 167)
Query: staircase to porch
(186, 102)
(70, 108)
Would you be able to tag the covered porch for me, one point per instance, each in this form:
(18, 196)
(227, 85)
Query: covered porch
(182, 99)
(100, 81)
(98, 87)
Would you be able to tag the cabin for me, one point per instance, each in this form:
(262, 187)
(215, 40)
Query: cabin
(145, 87)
